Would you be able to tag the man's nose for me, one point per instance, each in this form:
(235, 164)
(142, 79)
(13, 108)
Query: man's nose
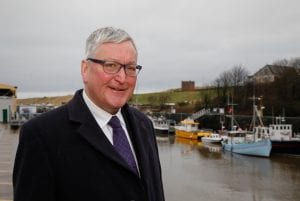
(121, 75)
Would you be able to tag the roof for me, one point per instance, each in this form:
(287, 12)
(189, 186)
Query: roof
(275, 69)
(278, 69)
(6, 89)
(188, 121)
(6, 86)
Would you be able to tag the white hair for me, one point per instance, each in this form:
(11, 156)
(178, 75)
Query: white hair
(105, 35)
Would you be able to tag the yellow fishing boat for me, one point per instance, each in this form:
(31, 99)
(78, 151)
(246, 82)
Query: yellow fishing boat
(186, 141)
(187, 128)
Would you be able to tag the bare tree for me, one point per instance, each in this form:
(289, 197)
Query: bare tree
(295, 62)
(236, 76)
(223, 84)
(239, 76)
(281, 62)
(231, 81)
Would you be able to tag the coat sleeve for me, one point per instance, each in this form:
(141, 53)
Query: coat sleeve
(32, 174)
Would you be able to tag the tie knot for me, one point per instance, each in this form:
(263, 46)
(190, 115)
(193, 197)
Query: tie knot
(114, 122)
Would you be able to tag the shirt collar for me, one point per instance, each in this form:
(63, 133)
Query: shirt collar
(101, 115)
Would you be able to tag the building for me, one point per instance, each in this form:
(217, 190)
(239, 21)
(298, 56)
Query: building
(8, 102)
(269, 73)
(187, 85)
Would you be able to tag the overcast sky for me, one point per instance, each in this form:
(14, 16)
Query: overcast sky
(42, 41)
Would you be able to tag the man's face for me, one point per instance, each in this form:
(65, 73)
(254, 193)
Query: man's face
(109, 91)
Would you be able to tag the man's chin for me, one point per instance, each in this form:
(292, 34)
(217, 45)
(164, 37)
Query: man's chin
(118, 104)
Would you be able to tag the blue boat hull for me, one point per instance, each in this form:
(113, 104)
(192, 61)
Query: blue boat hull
(261, 148)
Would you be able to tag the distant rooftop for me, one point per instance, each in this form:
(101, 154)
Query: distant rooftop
(7, 90)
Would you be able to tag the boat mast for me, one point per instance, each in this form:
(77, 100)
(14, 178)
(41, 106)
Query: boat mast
(231, 105)
(256, 113)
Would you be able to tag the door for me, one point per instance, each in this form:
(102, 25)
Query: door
(4, 115)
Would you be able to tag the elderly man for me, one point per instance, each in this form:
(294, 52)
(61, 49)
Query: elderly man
(95, 147)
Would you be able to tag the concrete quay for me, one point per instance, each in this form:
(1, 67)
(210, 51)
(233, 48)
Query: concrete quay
(8, 145)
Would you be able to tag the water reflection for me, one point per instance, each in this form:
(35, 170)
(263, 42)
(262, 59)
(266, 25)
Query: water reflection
(196, 171)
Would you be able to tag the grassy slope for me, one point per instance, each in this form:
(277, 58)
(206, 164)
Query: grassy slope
(174, 96)
(57, 100)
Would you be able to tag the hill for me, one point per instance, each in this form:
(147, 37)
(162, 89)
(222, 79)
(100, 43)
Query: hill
(158, 98)
(56, 100)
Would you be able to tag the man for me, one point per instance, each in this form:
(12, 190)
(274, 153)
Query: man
(73, 153)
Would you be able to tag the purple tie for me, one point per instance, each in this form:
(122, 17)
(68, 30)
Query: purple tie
(121, 143)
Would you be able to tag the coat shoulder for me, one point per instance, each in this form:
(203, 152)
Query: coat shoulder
(49, 118)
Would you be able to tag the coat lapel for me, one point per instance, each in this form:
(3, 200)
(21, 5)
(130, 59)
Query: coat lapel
(137, 131)
(90, 131)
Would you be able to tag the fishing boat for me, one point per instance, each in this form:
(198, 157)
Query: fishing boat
(238, 142)
(187, 128)
(281, 135)
(162, 125)
(214, 138)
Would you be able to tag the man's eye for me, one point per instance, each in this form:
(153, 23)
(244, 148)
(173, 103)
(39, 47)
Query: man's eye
(131, 68)
(111, 65)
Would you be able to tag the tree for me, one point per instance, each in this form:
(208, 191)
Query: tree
(295, 62)
(223, 84)
(239, 76)
(233, 79)
(281, 62)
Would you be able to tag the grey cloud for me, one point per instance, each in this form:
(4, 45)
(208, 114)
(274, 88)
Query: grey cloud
(42, 42)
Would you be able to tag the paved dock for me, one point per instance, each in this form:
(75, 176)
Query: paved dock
(8, 146)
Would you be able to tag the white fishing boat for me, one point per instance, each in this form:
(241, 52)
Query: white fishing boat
(162, 125)
(214, 138)
(280, 133)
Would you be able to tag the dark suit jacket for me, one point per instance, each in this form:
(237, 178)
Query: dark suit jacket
(63, 155)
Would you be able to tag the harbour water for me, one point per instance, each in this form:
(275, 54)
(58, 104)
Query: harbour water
(193, 171)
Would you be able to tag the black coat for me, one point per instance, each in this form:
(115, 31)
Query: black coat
(63, 155)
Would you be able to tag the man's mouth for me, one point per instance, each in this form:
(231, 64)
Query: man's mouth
(117, 89)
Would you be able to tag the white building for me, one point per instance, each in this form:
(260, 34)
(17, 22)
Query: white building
(8, 102)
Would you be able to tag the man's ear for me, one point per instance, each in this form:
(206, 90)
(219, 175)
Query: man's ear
(84, 70)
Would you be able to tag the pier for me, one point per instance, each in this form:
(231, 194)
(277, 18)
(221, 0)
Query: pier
(8, 146)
